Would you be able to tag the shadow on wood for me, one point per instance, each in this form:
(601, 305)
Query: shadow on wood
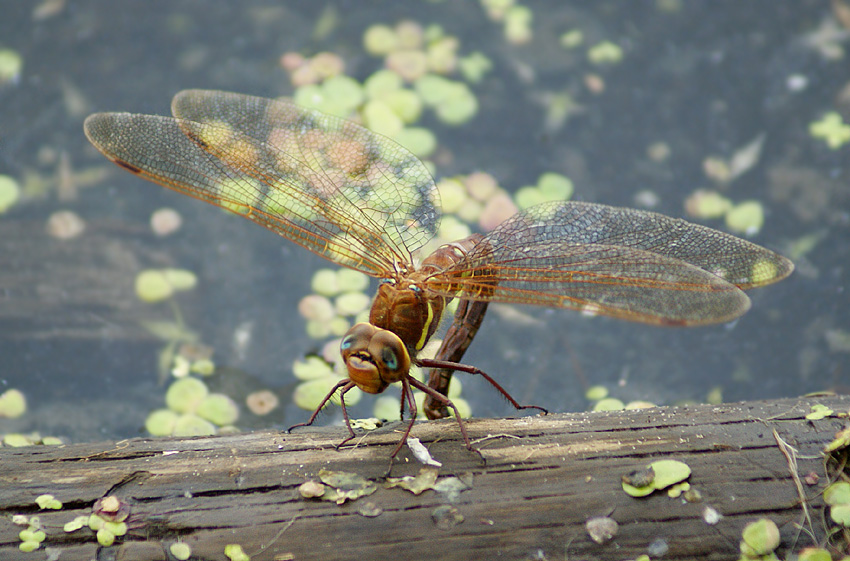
(543, 478)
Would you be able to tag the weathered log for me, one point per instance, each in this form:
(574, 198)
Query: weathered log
(543, 478)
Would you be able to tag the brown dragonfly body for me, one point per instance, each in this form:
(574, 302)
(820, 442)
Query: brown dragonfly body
(364, 202)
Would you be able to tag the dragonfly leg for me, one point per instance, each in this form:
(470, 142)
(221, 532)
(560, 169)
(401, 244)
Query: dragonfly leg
(343, 386)
(434, 363)
(445, 402)
(466, 322)
(406, 396)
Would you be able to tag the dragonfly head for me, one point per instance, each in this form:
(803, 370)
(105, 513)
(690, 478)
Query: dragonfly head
(375, 358)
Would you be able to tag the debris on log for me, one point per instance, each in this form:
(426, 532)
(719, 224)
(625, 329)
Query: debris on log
(543, 487)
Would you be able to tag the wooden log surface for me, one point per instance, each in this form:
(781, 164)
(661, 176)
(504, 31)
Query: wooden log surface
(543, 478)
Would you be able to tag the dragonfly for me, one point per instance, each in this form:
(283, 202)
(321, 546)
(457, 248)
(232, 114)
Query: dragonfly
(363, 201)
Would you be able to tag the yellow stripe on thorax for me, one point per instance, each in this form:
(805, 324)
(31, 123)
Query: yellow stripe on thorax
(426, 328)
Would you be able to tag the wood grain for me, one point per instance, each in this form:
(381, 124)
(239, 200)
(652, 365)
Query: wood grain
(543, 478)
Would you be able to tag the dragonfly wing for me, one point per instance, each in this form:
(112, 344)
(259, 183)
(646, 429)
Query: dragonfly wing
(364, 178)
(625, 263)
(326, 184)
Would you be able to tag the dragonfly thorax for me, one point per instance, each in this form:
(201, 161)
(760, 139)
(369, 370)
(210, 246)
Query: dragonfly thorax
(406, 309)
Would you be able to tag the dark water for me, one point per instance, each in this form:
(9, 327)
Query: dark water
(706, 80)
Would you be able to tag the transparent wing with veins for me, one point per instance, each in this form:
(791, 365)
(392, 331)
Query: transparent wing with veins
(330, 185)
(626, 263)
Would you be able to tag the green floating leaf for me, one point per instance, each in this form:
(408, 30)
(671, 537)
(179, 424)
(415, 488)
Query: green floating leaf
(659, 475)
(842, 440)
(761, 536)
(29, 535)
(181, 551)
(669, 472)
(234, 552)
(161, 422)
(48, 502)
(637, 491)
(814, 554)
(13, 404)
(190, 424)
(837, 494)
(840, 514)
(218, 409)
(76, 524)
(819, 412)
(185, 394)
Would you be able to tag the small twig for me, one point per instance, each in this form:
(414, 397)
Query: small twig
(276, 536)
(790, 454)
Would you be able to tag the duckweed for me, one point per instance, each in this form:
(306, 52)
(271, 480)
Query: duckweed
(351, 303)
(325, 282)
(316, 307)
(309, 394)
(660, 474)
(555, 186)
(746, 218)
(17, 440)
(190, 424)
(518, 20)
(409, 64)
(184, 395)
(596, 393)
(609, 404)
(499, 208)
(453, 229)
(707, 204)
(572, 38)
(234, 552)
(48, 502)
(380, 118)
(386, 407)
(152, 286)
(818, 412)
(311, 368)
(203, 367)
(380, 40)
(344, 93)
(10, 192)
(351, 280)
(528, 196)
(605, 52)
(105, 537)
(181, 551)
(382, 83)
(760, 538)
(32, 535)
(262, 402)
(338, 326)
(831, 129)
(76, 524)
(474, 67)
(452, 193)
(180, 279)
(459, 107)
(405, 104)
(13, 404)
(218, 409)
(11, 64)
(420, 141)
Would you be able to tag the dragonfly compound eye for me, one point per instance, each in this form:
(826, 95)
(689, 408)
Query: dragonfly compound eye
(391, 356)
